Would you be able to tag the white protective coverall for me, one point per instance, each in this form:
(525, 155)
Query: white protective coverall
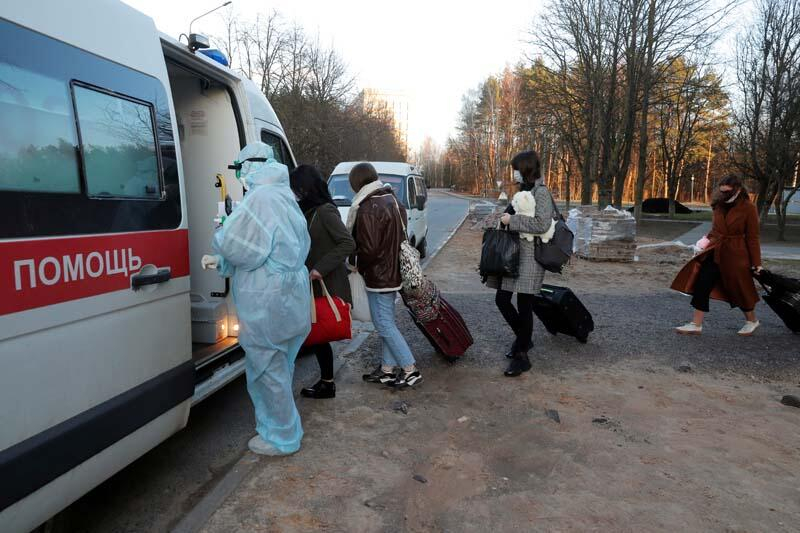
(263, 246)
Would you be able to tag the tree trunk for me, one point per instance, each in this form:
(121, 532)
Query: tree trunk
(708, 171)
(643, 137)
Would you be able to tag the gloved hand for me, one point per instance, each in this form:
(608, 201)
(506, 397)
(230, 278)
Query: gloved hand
(210, 261)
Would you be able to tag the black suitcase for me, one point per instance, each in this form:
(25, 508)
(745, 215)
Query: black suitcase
(783, 296)
(562, 312)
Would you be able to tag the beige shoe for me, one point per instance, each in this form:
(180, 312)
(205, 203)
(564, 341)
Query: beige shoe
(689, 329)
(749, 328)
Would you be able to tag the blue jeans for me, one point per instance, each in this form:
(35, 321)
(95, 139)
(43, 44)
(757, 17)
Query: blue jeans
(395, 350)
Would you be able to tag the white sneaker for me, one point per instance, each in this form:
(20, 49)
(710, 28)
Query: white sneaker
(689, 329)
(749, 328)
(261, 447)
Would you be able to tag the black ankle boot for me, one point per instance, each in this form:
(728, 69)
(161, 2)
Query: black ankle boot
(512, 350)
(519, 364)
(320, 390)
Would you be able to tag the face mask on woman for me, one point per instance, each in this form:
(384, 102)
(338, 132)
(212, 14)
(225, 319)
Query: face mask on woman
(729, 196)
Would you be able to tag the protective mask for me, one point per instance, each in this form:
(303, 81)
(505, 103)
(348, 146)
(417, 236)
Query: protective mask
(729, 197)
(518, 177)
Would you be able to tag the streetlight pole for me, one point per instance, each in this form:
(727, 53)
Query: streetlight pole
(692, 198)
(207, 13)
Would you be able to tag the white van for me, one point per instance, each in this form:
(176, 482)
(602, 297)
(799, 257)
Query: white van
(111, 137)
(409, 187)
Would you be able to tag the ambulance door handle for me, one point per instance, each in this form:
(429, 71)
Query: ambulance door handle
(141, 279)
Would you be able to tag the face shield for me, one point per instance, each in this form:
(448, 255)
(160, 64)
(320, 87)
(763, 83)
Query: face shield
(251, 159)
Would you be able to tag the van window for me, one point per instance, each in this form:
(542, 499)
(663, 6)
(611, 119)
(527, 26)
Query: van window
(118, 144)
(412, 193)
(37, 133)
(278, 147)
(422, 188)
(51, 183)
(342, 193)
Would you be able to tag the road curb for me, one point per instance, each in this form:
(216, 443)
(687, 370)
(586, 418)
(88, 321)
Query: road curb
(457, 227)
(197, 518)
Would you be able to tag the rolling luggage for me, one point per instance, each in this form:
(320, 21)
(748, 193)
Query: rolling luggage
(447, 333)
(562, 312)
(783, 296)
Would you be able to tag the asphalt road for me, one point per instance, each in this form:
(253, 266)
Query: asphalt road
(445, 213)
(153, 493)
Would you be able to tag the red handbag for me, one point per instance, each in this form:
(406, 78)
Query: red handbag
(330, 319)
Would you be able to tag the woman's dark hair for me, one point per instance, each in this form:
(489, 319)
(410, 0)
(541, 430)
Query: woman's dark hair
(362, 174)
(733, 181)
(310, 187)
(529, 165)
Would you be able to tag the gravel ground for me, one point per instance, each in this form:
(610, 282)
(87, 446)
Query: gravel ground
(633, 311)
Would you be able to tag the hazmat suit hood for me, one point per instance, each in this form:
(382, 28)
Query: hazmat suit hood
(257, 173)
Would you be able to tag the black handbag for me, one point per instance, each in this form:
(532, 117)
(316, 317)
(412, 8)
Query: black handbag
(499, 254)
(553, 255)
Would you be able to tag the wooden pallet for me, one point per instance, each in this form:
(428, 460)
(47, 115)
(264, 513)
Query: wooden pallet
(618, 251)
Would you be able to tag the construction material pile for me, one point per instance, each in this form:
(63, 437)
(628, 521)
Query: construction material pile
(603, 235)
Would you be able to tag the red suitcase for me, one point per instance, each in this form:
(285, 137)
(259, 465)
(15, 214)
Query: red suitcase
(448, 333)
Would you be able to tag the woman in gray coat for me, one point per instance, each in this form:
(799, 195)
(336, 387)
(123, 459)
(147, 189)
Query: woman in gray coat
(528, 175)
(331, 244)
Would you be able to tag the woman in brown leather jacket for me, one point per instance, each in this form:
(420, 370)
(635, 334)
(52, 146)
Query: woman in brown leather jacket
(376, 221)
(730, 254)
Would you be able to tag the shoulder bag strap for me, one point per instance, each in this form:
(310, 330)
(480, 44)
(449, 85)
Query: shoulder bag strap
(553, 201)
(400, 216)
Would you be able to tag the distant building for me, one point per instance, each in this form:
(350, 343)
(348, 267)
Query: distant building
(397, 103)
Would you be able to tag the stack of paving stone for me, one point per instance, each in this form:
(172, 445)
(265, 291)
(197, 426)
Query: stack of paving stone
(603, 235)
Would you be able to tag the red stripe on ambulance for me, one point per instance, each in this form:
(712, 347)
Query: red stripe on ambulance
(50, 271)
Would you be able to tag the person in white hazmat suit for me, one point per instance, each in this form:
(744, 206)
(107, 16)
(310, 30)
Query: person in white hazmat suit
(263, 246)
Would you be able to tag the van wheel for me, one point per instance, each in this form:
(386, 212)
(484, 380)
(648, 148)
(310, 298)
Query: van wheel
(423, 248)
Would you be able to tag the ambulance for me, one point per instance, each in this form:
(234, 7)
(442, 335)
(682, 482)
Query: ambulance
(115, 143)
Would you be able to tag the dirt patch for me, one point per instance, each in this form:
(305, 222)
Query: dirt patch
(677, 452)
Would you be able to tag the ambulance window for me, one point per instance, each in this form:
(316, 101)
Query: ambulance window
(280, 150)
(37, 137)
(118, 145)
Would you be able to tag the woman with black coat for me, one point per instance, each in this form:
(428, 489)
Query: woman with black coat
(331, 244)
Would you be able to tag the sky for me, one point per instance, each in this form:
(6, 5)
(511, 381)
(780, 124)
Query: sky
(432, 51)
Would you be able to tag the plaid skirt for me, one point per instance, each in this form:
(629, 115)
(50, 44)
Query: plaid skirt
(531, 273)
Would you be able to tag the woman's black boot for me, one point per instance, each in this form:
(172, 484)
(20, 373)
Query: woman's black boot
(512, 350)
(519, 364)
(320, 390)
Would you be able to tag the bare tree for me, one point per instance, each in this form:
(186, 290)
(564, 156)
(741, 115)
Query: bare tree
(328, 79)
(265, 43)
(768, 118)
(687, 98)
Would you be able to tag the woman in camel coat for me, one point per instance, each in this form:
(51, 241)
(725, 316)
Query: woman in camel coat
(730, 254)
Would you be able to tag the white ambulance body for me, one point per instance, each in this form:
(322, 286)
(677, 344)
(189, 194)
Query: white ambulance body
(111, 135)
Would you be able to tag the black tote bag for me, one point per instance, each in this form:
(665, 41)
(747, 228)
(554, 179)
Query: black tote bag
(499, 254)
(553, 255)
